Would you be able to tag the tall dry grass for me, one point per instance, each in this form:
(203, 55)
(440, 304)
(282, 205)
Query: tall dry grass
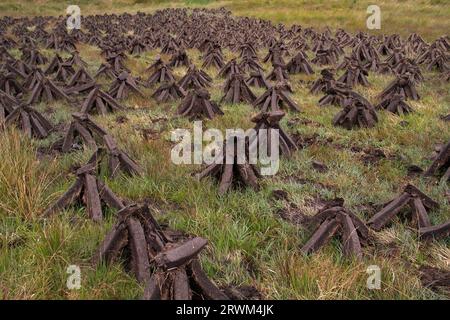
(24, 180)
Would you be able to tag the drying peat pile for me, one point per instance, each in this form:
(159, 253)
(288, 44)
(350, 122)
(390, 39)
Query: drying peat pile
(162, 259)
(240, 57)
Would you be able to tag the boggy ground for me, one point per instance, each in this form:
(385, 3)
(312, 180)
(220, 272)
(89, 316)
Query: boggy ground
(250, 244)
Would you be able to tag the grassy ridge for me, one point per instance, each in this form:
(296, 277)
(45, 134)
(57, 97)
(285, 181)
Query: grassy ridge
(249, 243)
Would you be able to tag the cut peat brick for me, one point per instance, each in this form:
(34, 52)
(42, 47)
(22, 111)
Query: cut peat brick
(441, 164)
(418, 202)
(333, 221)
(403, 85)
(435, 279)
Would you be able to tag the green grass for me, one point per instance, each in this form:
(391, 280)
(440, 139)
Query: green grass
(249, 243)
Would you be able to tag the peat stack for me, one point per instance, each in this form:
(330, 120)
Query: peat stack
(61, 43)
(320, 85)
(29, 120)
(247, 50)
(276, 98)
(441, 164)
(161, 74)
(168, 266)
(169, 91)
(45, 89)
(338, 221)
(249, 64)
(270, 121)
(236, 90)
(5, 55)
(89, 192)
(99, 102)
(33, 57)
(434, 58)
(395, 57)
(155, 65)
(7, 105)
(275, 55)
(117, 160)
(76, 60)
(213, 58)
(179, 58)
(54, 64)
(419, 205)
(197, 105)
(81, 77)
(10, 85)
(117, 61)
(19, 68)
(409, 66)
(64, 73)
(278, 73)
(354, 75)
(324, 57)
(404, 85)
(33, 78)
(84, 128)
(123, 85)
(258, 80)
(395, 104)
(170, 47)
(335, 93)
(384, 68)
(195, 78)
(299, 64)
(356, 113)
(137, 47)
(439, 61)
(107, 71)
(232, 170)
(230, 68)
